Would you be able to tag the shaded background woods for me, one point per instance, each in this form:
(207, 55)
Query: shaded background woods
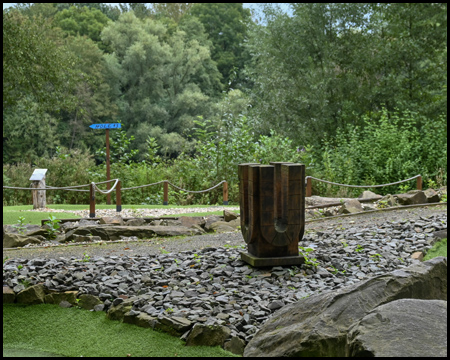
(357, 92)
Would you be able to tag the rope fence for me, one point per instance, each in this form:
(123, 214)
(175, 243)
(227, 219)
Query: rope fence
(309, 184)
(117, 187)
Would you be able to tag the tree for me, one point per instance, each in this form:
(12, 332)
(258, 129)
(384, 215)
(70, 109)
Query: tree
(175, 11)
(34, 64)
(28, 134)
(328, 65)
(140, 10)
(95, 96)
(82, 21)
(163, 80)
(410, 40)
(226, 25)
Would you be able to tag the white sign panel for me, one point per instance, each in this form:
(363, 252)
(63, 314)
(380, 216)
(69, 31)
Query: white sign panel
(38, 174)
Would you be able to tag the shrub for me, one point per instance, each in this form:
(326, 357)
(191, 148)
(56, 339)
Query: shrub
(396, 147)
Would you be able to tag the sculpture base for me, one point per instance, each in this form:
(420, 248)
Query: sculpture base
(272, 261)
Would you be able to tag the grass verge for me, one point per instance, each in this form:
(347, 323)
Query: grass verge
(11, 213)
(438, 249)
(73, 332)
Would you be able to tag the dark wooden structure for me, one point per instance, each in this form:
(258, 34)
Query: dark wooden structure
(272, 211)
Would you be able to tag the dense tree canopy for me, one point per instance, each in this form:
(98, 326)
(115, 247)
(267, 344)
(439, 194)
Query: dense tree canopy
(329, 64)
(226, 24)
(164, 81)
(201, 86)
(82, 21)
(34, 63)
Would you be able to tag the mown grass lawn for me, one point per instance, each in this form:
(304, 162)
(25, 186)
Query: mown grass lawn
(11, 214)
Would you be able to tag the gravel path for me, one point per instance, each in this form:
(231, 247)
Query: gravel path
(128, 213)
(170, 244)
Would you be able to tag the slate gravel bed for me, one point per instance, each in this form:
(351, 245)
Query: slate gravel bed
(205, 281)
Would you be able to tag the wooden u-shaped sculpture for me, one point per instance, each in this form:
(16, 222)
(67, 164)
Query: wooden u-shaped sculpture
(272, 210)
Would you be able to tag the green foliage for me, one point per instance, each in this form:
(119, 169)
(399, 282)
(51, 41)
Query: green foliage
(308, 261)
(328, 65)
(226, 24)
(95, 98)
(28, 135)
(52, 226)
(86, 257)
(82, 21)
(158, 74)
(438, 249)
(120, 150)
(34, 64)
(20, 226)
(64, 168)
(356, 92)
(394, 147)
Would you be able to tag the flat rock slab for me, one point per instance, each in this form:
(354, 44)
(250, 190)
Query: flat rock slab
(406, 327)
(111, 232)
(18, 240)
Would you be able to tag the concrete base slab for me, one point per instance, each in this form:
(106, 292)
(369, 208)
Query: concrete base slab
(272, 261)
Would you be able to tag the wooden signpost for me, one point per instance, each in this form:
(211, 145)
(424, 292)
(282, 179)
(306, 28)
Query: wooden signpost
(107, 127)
(38, 182)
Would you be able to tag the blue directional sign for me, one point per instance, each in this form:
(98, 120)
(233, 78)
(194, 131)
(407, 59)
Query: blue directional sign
(106, 126)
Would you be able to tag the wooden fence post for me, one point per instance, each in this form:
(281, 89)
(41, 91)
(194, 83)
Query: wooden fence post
(419, 183)
(225, 193)
(39, 198)
(91, 201)
(38, 183)
(118, 197)
(166, 193)
(308, 187)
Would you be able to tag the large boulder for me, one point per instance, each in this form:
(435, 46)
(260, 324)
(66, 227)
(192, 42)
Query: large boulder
(210, 220)
(11, 240)
(31, 296)
(229, 215)
(113, 220)
(118, 310)
(432, 196)
(386, 201)
(140, 319)
(318, 325)
(57, 298)
(221, 226)
(367, 194)
(88, 301)
(8, 295)
(405, 327)
(174, 325)
(135, 222)
(26, 230)
(208, 335)
(412, 197)
(189, 221)
(350, 207)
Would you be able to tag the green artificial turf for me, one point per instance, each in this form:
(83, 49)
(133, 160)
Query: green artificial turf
(73, 332)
